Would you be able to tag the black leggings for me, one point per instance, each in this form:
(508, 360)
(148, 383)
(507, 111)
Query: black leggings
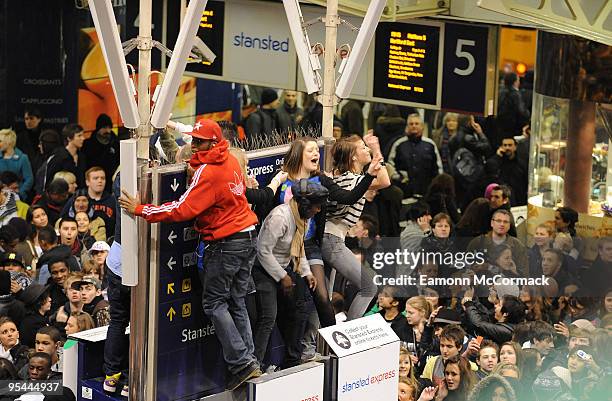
(327, 317)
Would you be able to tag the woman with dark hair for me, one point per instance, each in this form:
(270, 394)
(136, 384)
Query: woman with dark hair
(350, 157)
(471, 223)
(459, 380)
(501, 257)
(37, 218)
(441, 197)
(511, 352)
(565, 220)
(302, 161)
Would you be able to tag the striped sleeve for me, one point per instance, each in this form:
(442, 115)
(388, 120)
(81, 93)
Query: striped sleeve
(198, 197)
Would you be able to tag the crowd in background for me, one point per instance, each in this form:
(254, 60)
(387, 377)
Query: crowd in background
(435, 183)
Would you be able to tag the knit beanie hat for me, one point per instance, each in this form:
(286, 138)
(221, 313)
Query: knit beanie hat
(268, 96)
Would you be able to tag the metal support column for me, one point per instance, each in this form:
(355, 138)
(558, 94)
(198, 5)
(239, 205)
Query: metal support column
(332, 20)
(139, 372)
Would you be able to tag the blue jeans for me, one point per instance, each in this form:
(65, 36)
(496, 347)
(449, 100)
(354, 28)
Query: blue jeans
(225, 279)
(117, 343)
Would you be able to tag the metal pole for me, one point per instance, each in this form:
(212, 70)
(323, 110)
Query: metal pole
(144, 69)
(329, 79)
(138, 360)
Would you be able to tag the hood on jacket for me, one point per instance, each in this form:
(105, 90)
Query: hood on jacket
(215, 155)
(483, 390)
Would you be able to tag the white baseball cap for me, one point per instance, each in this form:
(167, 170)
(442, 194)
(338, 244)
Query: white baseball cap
(99, 246)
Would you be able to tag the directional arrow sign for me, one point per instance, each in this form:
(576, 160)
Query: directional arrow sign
(172, 237)
(170, 288)
(171, 263)
(174, 185)
(171, 313)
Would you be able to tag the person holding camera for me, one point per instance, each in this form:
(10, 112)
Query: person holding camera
(506, 166)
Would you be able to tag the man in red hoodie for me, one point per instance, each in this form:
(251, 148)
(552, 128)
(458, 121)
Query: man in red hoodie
(216, 200)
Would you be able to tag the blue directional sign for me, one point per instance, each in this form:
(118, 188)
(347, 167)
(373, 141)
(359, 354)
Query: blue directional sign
(189, 358)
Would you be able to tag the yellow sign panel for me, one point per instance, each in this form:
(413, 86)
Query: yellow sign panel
(186, 286)
(186, 310)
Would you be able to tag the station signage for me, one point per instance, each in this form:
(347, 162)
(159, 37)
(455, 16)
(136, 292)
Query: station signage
(422, 63)
(189, 358)
(210, 32)
(366, 351)
(408, 62)
(300, 383)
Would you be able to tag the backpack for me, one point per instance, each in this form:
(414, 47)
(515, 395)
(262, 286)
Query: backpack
(466, 167)
(40, 179)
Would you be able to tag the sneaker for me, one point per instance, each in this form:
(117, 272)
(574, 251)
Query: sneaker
(110, 382)
(250, 372)
(271, 369)
(125, 391)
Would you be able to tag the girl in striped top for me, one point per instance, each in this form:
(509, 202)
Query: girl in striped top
(350, 156)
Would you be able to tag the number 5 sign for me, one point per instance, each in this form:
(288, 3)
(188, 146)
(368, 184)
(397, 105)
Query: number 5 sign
(468, 50)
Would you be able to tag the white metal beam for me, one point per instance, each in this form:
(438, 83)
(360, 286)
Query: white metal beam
(576, 24)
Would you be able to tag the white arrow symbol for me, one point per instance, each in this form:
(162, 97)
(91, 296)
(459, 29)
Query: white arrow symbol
(174, 185)
(172, 237)
(171, 263)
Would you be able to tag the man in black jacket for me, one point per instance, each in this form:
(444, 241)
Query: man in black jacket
(507, 313)
(29, 138)
(507, 168)
(264, 120)
(512, 115)
(102, 148)
(69, 158)
(413, 160)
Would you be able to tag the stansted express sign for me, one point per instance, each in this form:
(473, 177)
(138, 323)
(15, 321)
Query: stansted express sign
(367, 351)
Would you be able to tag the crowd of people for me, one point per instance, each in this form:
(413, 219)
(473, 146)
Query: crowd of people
(266, 249)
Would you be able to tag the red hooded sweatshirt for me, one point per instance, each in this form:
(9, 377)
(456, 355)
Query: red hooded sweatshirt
(216, 197)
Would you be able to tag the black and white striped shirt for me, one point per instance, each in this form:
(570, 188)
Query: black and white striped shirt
(340, 218)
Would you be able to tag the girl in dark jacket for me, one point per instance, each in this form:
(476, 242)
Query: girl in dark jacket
(10, 348)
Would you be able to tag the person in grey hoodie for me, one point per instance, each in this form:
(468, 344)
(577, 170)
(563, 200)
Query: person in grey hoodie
(282, 271)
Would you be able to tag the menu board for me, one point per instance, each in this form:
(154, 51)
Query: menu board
(406, 64)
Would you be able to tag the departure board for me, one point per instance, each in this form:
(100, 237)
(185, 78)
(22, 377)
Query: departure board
(406, 59)
(210, 32)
